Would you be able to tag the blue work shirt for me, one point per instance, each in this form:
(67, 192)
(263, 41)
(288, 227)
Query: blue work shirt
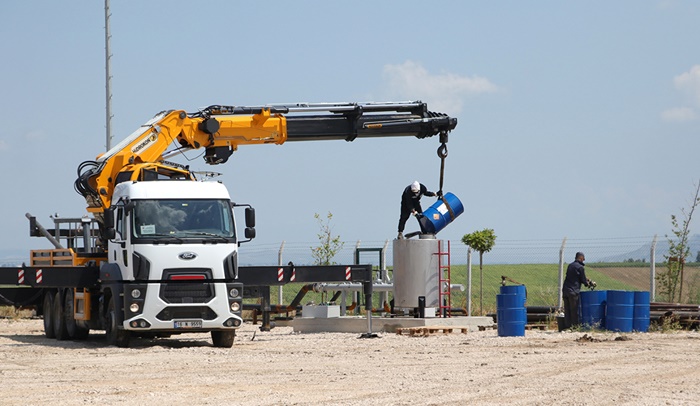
(575, 277)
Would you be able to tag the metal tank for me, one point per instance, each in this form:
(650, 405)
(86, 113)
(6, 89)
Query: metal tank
(416, 272)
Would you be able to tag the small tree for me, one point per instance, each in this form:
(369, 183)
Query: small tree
(671, 281)
(482, 241)
(329, 245)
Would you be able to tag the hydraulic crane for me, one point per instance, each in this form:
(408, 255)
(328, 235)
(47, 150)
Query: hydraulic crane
(164, 257)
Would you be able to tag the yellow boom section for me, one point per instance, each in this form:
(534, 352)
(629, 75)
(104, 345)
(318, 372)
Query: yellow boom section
(143, 150)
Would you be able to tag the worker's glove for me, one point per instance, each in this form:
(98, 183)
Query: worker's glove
(591, 284)
(439, 194)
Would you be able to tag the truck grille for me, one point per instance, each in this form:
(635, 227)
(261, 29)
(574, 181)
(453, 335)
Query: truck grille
(182, 285)
(189, 312)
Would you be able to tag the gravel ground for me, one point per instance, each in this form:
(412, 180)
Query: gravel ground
(286, 368)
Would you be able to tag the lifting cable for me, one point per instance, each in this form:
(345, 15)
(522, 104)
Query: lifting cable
(442, 154)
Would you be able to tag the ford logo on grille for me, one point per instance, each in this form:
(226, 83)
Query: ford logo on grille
(187, 255)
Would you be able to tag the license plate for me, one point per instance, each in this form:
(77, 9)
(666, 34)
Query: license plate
(188, 324)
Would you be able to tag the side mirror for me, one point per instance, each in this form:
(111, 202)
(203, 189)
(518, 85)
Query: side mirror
(250, 217)
(108, 216)
(249, 233)
(249, 221)
(111, 233)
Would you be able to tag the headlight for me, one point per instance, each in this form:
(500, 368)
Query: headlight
(235, 306)
(234, 292)
(136, 293)
(134, 307)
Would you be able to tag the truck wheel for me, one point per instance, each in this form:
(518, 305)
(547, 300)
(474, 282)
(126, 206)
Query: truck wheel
(223, 339)
(115, 335)
(73, 329)
(59, 322)
(48, 314)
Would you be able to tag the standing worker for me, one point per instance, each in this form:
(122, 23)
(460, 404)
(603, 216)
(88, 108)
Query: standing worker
(410, 203)
(571, 290)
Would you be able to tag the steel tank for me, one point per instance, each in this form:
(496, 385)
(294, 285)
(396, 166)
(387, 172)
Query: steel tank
(416, 272)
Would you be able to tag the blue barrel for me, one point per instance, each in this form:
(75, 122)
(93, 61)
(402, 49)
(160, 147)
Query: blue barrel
(641, 315)
(593, 308)
(511, 315)
(439, 215)
(620, 311)
(519, 290)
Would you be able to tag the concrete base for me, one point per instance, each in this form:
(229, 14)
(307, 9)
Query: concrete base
(357, 324)
(322, 312)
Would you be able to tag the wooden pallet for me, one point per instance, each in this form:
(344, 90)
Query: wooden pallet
(536, 327)
(430, 330)
(527, 327)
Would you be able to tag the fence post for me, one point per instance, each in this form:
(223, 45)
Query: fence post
(384, 272)
(469, 281)
(357, 296)
(561, 272)
(280, 295)
(652, 270)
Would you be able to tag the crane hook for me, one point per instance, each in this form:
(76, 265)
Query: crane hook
(442, 153)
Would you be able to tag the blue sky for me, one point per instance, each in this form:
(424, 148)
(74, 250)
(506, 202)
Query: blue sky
(576, 119)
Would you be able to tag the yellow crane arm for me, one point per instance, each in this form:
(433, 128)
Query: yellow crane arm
(142, 152)
(221, 129)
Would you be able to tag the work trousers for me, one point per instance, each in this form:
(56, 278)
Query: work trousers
(571, 301)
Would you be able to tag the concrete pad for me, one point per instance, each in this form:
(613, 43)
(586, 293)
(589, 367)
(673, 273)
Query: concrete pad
(357, 324)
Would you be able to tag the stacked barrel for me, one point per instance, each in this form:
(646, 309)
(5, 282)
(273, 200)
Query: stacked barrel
(615, 310)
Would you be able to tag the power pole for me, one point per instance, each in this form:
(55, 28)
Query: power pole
(108, 79)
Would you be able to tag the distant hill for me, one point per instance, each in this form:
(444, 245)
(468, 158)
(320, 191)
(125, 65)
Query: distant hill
(13, 257)
(643, 252)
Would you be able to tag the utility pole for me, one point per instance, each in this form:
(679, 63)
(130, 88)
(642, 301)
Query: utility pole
(108, 79)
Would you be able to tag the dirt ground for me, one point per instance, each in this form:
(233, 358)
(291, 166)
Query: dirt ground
(286, 368)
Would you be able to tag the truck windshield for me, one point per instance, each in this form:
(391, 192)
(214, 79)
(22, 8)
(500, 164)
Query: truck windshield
(194, 218)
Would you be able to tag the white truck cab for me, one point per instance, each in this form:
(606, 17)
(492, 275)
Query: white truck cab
(173, 257)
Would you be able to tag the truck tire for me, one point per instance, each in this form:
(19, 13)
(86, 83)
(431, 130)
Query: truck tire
(47, 309)
(115, 335)
(223, 339)
(59, 322)
(74, 331)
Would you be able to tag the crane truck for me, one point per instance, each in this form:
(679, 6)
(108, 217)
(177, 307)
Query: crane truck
(158, 253)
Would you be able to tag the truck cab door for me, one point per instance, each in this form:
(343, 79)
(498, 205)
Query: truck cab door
(119, 247)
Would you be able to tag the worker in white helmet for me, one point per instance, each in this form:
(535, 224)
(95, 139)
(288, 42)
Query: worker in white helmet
(410, 203)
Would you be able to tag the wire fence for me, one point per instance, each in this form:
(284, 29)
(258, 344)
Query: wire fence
(630, 263)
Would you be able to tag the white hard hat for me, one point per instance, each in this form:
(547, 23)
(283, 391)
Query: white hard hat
(415, 187)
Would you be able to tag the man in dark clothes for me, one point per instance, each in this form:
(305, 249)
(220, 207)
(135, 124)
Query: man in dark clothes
(410, 203)
(575, 277)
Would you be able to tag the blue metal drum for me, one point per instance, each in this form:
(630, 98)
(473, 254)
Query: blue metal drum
(620, 311)
(511, 315)
(640, 320)
(441, 213)
(519, 290)
(593, 308)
